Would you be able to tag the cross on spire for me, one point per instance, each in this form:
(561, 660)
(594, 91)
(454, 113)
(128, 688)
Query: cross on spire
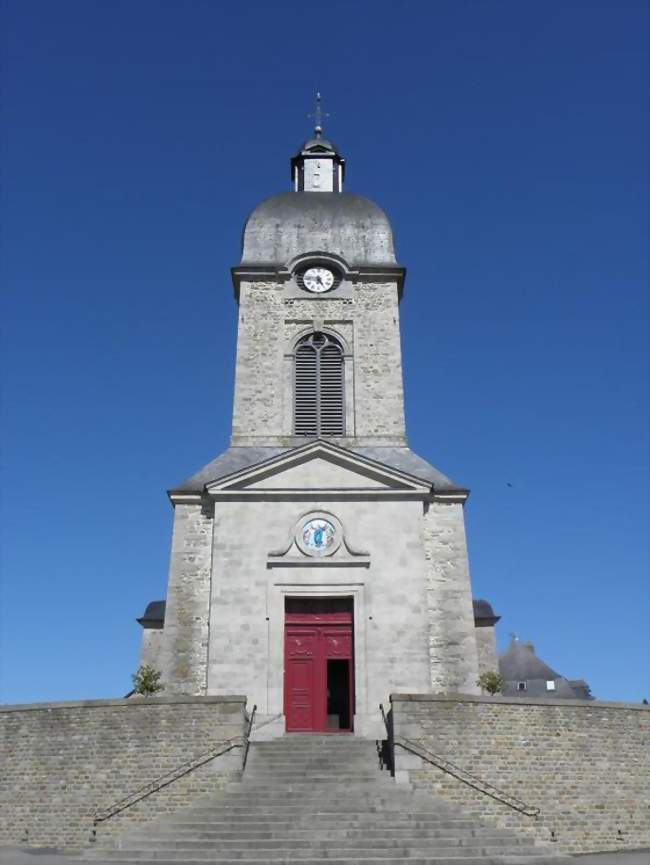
(318, 116)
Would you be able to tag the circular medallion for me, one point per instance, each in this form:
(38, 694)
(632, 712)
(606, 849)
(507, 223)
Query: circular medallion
(318, 535)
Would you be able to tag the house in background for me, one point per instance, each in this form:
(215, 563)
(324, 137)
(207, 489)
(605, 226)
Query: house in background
(525, 675)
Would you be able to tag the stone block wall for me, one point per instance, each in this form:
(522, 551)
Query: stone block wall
(486, 646)
(184, 646)
(452, 636)
(585, 765)
(61, 762)
(367, 321)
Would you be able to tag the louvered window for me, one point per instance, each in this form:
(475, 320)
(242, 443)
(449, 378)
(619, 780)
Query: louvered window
(319, 398)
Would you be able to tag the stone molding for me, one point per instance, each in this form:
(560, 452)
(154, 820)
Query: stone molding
(514, 701)
(124, 703)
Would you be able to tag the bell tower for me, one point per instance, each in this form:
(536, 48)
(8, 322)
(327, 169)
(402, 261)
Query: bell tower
(318, 286)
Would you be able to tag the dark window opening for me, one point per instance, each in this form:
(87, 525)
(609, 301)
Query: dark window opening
(318, 605)
(338, 695)
(521, 686)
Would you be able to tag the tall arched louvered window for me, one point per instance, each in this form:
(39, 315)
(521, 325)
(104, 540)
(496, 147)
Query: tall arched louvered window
(319, 404)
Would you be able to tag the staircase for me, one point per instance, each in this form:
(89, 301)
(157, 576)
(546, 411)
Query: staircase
(320, 800)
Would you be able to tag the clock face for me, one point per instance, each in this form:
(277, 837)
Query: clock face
(318, 279)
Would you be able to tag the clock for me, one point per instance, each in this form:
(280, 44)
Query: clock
(318, 279)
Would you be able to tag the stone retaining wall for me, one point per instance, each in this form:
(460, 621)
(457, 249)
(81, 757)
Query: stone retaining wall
(586, 765)
(60, 762)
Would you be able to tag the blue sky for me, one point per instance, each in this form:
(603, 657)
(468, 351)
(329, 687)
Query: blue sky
(506, 140)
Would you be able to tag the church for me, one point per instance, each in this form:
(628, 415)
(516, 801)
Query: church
(318, 564)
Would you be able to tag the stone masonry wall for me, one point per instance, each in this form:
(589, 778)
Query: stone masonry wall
(368, 322)
(184, 650)
(63, 761)
(586, 765)
(452, 635)
(486, 646)
(151, 647)
(379, 390)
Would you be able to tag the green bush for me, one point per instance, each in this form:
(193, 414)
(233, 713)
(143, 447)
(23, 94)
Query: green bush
(491, 682)
(147, 681)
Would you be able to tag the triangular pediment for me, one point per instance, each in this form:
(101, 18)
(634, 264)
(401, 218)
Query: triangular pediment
(320, 467)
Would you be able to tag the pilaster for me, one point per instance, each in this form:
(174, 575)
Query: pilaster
(452, 643)
(185, 641)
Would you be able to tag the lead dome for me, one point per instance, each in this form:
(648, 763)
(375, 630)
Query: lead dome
(284, 226)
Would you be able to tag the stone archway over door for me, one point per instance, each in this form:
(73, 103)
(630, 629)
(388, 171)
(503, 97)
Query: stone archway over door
(319, 665)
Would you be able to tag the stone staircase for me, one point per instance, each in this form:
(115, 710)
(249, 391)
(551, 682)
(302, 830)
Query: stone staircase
(320, 800)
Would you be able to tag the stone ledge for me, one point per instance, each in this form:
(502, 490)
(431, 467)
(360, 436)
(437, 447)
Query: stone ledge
(514, 701)
(125, 703)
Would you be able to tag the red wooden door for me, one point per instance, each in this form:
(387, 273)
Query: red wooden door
(318, 672)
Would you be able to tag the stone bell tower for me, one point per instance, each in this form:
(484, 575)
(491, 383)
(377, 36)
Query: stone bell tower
(318, 260)
(318, 564)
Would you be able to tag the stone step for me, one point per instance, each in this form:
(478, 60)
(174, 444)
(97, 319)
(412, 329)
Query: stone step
(328, 818)
(353, 823)
(320, 801)
(339, 852)
(387, 859)
(378, 794)
(376, 820)
(441, 837)
(299, 844)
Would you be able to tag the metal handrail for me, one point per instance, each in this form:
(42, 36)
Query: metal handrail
(386, 749)
(466, 777)
(247, 737)
(164, 780)
(384, 717)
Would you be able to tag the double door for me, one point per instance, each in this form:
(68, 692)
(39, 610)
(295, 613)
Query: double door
(318, 673)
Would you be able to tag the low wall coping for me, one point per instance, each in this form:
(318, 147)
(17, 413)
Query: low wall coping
(515, 701)
(124, 703)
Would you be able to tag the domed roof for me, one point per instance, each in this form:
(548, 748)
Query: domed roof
(295, 223)
(483, 612)
(318, 144)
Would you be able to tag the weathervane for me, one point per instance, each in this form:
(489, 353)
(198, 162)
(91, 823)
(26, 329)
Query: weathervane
(318, 116)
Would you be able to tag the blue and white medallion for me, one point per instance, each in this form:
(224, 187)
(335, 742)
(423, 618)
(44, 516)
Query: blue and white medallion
(318, 535)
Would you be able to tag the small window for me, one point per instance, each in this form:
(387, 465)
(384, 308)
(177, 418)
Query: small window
(521, 686)
(550, 685)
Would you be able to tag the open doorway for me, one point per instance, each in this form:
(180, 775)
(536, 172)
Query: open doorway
(338, 694)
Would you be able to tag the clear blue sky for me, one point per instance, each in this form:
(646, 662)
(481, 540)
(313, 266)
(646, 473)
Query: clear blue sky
(506, 140)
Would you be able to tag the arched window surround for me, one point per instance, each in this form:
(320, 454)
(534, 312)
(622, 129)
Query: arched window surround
(298, 338)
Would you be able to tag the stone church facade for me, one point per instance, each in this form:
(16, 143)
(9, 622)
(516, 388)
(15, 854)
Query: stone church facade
(318, 564)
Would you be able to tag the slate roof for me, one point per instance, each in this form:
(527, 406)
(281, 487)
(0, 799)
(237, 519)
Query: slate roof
(286, 225)
(519, 663)
(154, 613)
(483, 612)
(237, 458)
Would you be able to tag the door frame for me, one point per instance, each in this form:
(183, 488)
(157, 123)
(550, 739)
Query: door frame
(308, 587)
(321, 625)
